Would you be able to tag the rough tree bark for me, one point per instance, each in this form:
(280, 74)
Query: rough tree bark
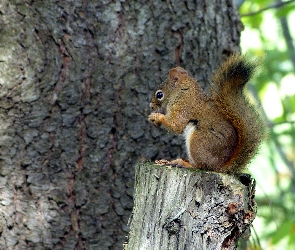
(76, 79)
(189, 209)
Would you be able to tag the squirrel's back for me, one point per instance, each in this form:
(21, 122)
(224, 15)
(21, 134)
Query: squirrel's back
(227, 91)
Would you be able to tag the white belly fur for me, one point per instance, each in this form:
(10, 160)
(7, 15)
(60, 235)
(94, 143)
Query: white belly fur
(187, 133)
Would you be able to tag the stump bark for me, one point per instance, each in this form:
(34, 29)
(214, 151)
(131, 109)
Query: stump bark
(189, 209)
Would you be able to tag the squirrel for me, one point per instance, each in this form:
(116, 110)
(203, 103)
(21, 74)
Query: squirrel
(223, 130)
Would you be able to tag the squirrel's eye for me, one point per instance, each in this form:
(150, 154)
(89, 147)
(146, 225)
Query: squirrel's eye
(159, 95)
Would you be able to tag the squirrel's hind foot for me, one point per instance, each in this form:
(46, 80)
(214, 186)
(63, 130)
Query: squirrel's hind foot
(179, 163)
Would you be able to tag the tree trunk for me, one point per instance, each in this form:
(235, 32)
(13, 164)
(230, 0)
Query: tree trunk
(76, 79)
(189, 209)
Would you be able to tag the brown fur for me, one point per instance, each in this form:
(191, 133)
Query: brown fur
(223, 131)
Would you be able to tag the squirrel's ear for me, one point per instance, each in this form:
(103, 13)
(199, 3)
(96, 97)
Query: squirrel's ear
(177, 73)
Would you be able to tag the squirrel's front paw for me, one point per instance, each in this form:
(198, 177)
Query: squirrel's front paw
(156, 118)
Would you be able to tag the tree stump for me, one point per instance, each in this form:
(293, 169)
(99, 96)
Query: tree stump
(189, 209)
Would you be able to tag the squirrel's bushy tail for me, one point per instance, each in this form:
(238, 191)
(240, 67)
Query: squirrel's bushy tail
(227, 91)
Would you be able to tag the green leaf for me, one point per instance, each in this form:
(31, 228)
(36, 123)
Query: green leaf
(285, 230)
(254, 21)
(284, 11)
(292, 236)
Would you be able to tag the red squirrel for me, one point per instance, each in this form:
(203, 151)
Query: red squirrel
(222, 131)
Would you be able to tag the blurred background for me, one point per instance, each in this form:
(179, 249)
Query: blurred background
(269, 34)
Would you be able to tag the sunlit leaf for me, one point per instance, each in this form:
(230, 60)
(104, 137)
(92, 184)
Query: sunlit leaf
(284, 230)
(284, 11)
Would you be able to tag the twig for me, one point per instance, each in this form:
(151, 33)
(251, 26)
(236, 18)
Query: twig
(271, 124)
(273, 6)
(288, 38)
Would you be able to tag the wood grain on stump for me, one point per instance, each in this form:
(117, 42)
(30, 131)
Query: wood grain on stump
(189, 209)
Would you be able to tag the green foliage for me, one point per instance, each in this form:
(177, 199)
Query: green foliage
(285, 229)
(285, 11)
(275, 86)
